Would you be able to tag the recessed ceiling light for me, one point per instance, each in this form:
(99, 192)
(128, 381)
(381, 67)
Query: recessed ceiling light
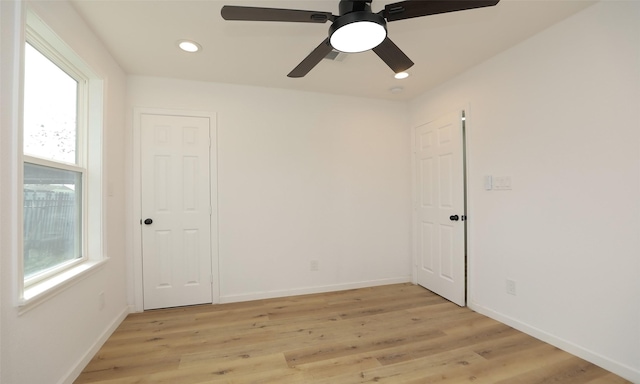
(396, 90)
(189, 46)
(401, 75)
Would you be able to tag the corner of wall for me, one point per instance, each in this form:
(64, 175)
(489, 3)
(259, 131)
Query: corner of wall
(82, 362)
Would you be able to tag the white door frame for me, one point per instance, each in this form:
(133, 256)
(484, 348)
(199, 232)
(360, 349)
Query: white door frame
(414, 197)
(136, 213)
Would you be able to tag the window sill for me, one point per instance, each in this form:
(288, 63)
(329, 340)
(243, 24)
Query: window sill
(40, 292)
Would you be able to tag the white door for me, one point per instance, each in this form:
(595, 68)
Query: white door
(176, 210)
(440, 226)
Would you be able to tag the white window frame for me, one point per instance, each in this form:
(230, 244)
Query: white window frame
(89, 140)
(81, 126)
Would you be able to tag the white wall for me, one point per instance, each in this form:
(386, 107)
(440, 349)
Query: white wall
(558, 113)
(301, 176)
(52, 342)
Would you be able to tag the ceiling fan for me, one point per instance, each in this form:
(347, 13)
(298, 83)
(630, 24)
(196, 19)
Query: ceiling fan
(357, 28)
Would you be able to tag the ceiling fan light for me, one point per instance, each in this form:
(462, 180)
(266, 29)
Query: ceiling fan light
(357, 32)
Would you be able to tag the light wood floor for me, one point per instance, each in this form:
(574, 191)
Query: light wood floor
(391, 334)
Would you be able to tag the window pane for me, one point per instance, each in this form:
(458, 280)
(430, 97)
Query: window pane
(50, 109)
(52, 217)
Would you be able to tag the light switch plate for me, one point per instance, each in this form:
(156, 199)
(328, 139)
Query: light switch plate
(488, 182)
(502, 183)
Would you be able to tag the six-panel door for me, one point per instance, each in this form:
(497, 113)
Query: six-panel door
(176, 209)
(440, 207)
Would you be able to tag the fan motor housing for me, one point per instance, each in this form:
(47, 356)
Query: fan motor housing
(354, 17)
(348, 6)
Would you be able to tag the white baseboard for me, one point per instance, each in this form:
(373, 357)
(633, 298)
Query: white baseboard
(619, 369)
(311, 290)
(75, 371)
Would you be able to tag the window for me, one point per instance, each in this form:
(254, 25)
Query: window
(52, 219)
(53, 171)
(62, 203)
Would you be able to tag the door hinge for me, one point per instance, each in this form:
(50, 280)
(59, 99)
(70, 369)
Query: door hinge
(211, 279)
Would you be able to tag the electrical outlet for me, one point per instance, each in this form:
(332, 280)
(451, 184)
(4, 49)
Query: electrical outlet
(101, 301)
(314, 265)
(511, 287)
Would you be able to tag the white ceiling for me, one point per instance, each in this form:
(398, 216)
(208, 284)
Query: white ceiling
(142, 37)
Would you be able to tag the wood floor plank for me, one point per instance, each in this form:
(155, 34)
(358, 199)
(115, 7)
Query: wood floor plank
(376, 342)
(571, 370)
(331, 368)
(608, 378)
(120, 368)
(408, 370)
(490, 372)
(398, 333)
(132, 379)
(435, 346)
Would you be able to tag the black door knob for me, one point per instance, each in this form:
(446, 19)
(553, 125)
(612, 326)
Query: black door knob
(148, 221)
(454, 218)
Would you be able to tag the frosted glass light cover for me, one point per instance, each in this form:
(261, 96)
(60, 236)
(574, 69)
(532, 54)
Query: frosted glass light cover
(358, 37)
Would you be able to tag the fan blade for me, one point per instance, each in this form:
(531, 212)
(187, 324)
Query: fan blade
(393, 56)
(416, 8)
(231, 12)
(312, 60)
